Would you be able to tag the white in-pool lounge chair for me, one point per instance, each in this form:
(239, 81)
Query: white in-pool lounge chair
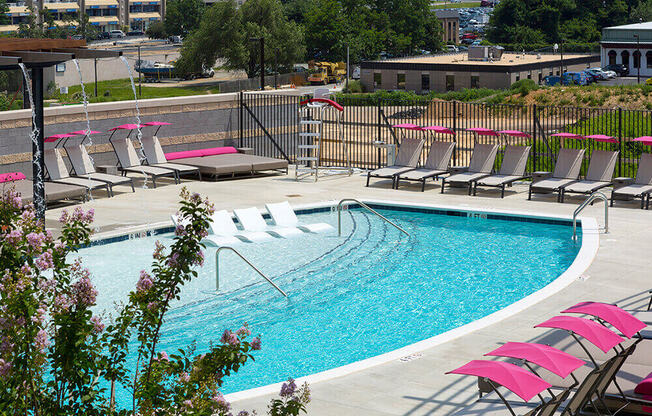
(642, 184)
(482, 161)
(83, 168)
(567, 170)
(407, 159)
(598, 176)
(224, 231)
(439, 158)
(129, 161)
(59, 173)
(283, 216)
(252, 220)
(155, 157)
(512, 169)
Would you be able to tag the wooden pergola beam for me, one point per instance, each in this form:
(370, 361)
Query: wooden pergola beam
(31, 58)
(84, 53)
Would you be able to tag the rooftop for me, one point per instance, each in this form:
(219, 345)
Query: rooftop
(461, 58)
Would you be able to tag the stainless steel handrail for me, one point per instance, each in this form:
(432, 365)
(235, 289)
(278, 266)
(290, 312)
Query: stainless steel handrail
(587, 201)
(368, 208)
(217, 268)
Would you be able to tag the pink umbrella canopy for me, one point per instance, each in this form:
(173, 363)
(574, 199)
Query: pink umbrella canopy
(595, 333)
(408, 126)
(644, 139)
(439, 129)
(483, 131)
(83, 132)
(126, 127)
(518, 380)
(620, 319)
(568, 136)
(602, 138)
(56, 137)
(514, 133)
(156, 123)
(550, 358)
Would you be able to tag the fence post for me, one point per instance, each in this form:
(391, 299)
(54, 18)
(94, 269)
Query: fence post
(380, 121)
(455, 150)
(620, 141)
(534, 137)
(241, 120)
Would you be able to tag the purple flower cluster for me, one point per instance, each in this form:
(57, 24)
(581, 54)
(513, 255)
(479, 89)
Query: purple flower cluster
(83, 292)
(35, 241)
(229, 338)
(288, 389)
(45, 261)
(78, 215)
(41, 341)
(4, 367)
(255, 344)
(221, 402)
(144, 282)
(173, 260)
(243, 331)
(98, 326)
(199, 260)
(184, 377)
(12, 198)
(180, 230)
(158, 250)
(14, 237)
(61, 303)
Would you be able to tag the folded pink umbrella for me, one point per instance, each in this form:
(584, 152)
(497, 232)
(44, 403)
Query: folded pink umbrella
(514, 378)
(514, 133)
(568, 136)
(156, 123)
(623, 321)
(56, 137)
(126, 127)
(550, 358)
(601, 138)
(439, 129)
(481, 131)
(408, 126)
(80, 132)
(597, 334)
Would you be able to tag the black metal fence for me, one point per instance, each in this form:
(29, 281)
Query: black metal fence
(269, 124)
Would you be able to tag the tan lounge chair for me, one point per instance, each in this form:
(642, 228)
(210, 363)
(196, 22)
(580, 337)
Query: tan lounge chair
(512, 169)
(598, 176)
(439, 158)
(129, 161)
(482, 162)
(83, 167)
(155, 157)
(642, 184)
(58, 172)
(53, 191)
(407, 159)
(567, 170)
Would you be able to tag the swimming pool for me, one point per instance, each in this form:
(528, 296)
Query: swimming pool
(369, 292)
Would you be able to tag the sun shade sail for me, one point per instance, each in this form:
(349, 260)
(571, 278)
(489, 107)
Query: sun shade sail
(595, 333)
(56, 137)
(620, 319)
(550, 358)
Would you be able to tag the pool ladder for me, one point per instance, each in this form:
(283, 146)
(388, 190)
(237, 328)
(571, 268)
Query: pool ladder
(217, 269)
(587, 201)
(368, 208)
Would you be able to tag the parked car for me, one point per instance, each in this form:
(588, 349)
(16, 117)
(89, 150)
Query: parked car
(103, 35)
(599, 71)
(451, 48)
(119, 34)
(591, 77)
(175, 39)
(611, 74)
(597, 75)
(136, 33)
(469, 36)
(574, 78)
(355, 74)
(619, 69)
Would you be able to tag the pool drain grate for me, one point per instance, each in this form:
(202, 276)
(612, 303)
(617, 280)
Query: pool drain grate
(411, 357)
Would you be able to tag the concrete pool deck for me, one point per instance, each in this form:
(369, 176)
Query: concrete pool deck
(415, 386)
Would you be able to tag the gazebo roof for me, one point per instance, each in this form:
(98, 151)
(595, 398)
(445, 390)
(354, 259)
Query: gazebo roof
(46, 52)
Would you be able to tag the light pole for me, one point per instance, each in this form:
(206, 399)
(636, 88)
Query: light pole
(140, 80)
(95, 77)
(638, 66)
(262, 60)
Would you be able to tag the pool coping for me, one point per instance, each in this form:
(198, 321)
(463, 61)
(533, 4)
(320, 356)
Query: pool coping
(584, 258)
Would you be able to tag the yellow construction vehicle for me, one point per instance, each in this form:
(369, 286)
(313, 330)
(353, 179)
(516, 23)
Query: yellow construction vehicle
(326, 72)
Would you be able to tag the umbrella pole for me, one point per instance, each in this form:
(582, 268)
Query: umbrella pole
(156, 133)
(584, 348)
(501, 397)
(537, 374)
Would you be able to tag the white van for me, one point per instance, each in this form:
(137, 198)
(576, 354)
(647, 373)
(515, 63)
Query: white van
(117, 34)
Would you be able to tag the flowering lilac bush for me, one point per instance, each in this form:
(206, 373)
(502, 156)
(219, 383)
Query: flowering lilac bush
(58, 358)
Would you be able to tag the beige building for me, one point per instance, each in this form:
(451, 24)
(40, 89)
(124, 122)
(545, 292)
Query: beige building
(451, 72)
(450, 24)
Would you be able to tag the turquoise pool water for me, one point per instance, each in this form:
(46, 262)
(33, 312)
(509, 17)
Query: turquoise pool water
(353, 297)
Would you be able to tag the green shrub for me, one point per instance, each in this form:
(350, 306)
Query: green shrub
(156, 31)
(524, 87)
(354, 87)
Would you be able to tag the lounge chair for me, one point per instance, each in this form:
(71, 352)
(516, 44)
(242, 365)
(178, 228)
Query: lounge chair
(58, 172)
(642, 184)
(567, 170)
(53, 191)
(129, 162)
(512, 169)
(224, 231)
(83, 167)
(598, 176)
(482, 162)
(252, 220)
(283, 216)
(155, 157)
(407, 159)
(439, 158)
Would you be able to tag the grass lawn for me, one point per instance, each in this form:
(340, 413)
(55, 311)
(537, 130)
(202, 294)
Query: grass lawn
(457, 5)
(120, 90)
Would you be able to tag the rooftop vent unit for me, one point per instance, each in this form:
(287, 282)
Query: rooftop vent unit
(485, 53)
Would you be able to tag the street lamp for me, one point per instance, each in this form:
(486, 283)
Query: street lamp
(262, 60)
(638, 66)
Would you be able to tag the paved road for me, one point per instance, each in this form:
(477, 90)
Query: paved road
(622, 81)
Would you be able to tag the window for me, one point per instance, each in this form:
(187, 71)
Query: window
(612, 57)
(648, 59)
(529, 75)
(450, 82)
(624, 58)
(475, 81)
(400, 81)
(637, 59)
(378, 79)
(541, 77)
(425, 82)
(518, 77)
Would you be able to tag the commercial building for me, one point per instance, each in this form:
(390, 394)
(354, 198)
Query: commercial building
(450, 24)
(629, 45)
(488, 67)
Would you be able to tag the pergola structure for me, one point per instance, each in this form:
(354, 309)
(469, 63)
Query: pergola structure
(37, 54)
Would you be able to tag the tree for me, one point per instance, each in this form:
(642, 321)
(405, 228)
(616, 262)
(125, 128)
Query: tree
(4, 9)
(183, 16)
(226, 32)
(641, 12)
(156, 31)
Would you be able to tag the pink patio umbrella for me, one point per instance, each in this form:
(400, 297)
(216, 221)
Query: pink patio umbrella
(56, 137)
(595, 333)
(623, 321)
(408, 126)
(156, 123)
(602, 138)
(129, 127)
(556, 361)
(568, 136)
(84, 132)
(647, 140)
(514, 378)
(481, 131)
(514, 133)
(439, 129)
